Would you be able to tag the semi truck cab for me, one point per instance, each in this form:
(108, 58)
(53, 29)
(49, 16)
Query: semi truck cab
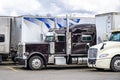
(106, 55)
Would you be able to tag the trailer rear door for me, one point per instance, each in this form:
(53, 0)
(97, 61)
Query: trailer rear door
(4, 35)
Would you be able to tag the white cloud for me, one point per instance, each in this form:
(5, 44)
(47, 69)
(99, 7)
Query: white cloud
(94, 5)
(13, 13)
(20, 6)
(57, 7)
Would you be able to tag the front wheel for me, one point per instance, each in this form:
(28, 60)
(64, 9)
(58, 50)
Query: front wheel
(35, 63)
(115, 64)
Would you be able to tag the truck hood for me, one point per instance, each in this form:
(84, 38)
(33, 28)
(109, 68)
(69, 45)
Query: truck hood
(105, 45)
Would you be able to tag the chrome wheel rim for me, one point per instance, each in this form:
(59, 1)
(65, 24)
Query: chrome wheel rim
(117, 64)
(36, 63)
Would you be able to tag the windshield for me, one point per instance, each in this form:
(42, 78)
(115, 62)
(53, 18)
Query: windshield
(61, 38)
(49, 38)
(115, 36)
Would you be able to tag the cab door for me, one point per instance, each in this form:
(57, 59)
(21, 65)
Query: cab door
(60, 45)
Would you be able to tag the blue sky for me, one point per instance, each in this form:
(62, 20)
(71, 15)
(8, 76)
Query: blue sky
(58, 7)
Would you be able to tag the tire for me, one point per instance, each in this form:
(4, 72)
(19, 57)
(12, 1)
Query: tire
(35, 63)
(4, 57)
(115, 64)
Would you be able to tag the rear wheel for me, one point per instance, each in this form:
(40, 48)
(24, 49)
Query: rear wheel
(35, 63)
(115, 64)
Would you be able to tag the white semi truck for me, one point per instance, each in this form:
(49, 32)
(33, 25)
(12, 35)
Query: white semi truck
(106, 55)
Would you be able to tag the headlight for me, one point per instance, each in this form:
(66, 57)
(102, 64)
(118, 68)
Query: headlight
(103, 55)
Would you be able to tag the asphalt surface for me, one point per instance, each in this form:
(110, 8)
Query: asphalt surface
(10, 71)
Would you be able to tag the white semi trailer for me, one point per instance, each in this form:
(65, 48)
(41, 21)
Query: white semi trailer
(105, 23)
(106, 55)
(7, 37)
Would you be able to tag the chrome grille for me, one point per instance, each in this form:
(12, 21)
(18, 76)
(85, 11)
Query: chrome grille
(92, 53)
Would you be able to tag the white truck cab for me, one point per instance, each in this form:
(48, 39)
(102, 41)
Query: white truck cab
(106, 55)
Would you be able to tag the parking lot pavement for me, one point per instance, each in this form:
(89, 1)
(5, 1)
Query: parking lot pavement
(72, 72)
(16, 67)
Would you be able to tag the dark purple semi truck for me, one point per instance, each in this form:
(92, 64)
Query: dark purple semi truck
(61, 47)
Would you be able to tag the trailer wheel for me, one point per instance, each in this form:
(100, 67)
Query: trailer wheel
(35, 63)
(115, 64)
